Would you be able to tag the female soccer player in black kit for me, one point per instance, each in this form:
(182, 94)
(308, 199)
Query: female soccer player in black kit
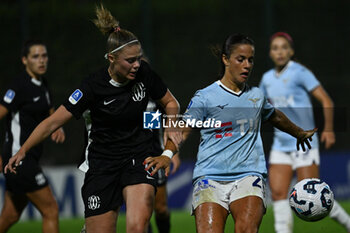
(116, 96)
(25, 104)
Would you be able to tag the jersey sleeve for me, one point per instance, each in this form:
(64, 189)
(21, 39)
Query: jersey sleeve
(308, 79)
(267, 110)
(157, 88)
(12, 97)
(196, 109)
(79, 100)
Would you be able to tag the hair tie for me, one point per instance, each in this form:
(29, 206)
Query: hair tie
(117, 29)
(284, 35)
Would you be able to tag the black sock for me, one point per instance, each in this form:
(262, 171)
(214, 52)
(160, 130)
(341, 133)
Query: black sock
(163, 223)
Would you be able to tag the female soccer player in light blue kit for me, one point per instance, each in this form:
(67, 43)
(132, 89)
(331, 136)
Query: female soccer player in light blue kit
(229, 175)
(288, 87)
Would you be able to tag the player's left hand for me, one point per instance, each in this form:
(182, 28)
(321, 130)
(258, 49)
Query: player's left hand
(58, 136)
(174, 134)
(157, 163)
(305, 137)
(328, 138)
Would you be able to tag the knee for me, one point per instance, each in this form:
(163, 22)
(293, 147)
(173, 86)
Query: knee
(50, 211)
(246, 226)
(137, 227)
(161, 211)
(279, 194)
(10, 218)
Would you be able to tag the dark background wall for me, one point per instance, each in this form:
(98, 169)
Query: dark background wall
(176, 36)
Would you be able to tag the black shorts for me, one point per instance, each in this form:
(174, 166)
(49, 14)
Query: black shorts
(29, 177)
(102, 191)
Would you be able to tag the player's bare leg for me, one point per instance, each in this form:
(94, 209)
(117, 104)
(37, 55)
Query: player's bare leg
(11, 210)
(103, 223)
(139, 201)
(280, 177)
(210, 218)
(247, 213)
(161, 210)
(45, 202)
(308, 172)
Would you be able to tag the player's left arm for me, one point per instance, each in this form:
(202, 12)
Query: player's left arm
(281, 121)
(172, 108)
(58, 136)
(327, 135)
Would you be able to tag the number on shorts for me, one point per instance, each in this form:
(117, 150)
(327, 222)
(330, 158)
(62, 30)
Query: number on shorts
(255, 183)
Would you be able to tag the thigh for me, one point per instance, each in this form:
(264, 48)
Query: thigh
(43, 200)
(103, 223)
(247, 212)
(307, 164)
(280, 176)
(14, 204)
(139, 200)
(311, 171)
(210, 218)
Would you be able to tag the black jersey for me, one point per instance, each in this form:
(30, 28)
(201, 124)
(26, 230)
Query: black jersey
(116, 112)
(29, 102)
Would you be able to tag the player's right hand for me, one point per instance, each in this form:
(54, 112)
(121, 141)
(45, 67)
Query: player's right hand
(14, 162)
(157, 163)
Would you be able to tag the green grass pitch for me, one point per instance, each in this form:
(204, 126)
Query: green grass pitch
(181, 221)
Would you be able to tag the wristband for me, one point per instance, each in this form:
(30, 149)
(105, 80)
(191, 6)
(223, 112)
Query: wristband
(168, 153)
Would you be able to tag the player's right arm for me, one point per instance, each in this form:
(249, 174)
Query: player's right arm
(42, 131)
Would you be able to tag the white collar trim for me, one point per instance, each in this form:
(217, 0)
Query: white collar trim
(228, 89)
(117, 84)
(36, 81)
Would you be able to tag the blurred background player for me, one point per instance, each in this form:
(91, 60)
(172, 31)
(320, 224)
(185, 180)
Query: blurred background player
(116, 95)
(288, 87)
(230, 171)
(26, 103)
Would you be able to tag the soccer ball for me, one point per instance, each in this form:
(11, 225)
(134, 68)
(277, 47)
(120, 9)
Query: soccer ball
(311, 199)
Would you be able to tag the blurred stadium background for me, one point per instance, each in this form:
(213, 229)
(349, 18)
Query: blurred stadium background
(176, 37)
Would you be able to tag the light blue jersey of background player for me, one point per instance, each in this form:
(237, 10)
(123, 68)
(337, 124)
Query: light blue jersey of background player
(288, 92)
(235, 149)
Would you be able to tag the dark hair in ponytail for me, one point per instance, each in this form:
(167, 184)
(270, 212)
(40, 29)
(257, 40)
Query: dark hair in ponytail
(230, 44)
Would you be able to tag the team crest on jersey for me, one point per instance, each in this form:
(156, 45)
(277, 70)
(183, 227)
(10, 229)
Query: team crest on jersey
(138, 92)
(254, 100)
(76, 96)
(94, 202)
(9, 96)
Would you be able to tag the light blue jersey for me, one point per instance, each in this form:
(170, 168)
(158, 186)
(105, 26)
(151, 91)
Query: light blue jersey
(234, 149)
(289, 92)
